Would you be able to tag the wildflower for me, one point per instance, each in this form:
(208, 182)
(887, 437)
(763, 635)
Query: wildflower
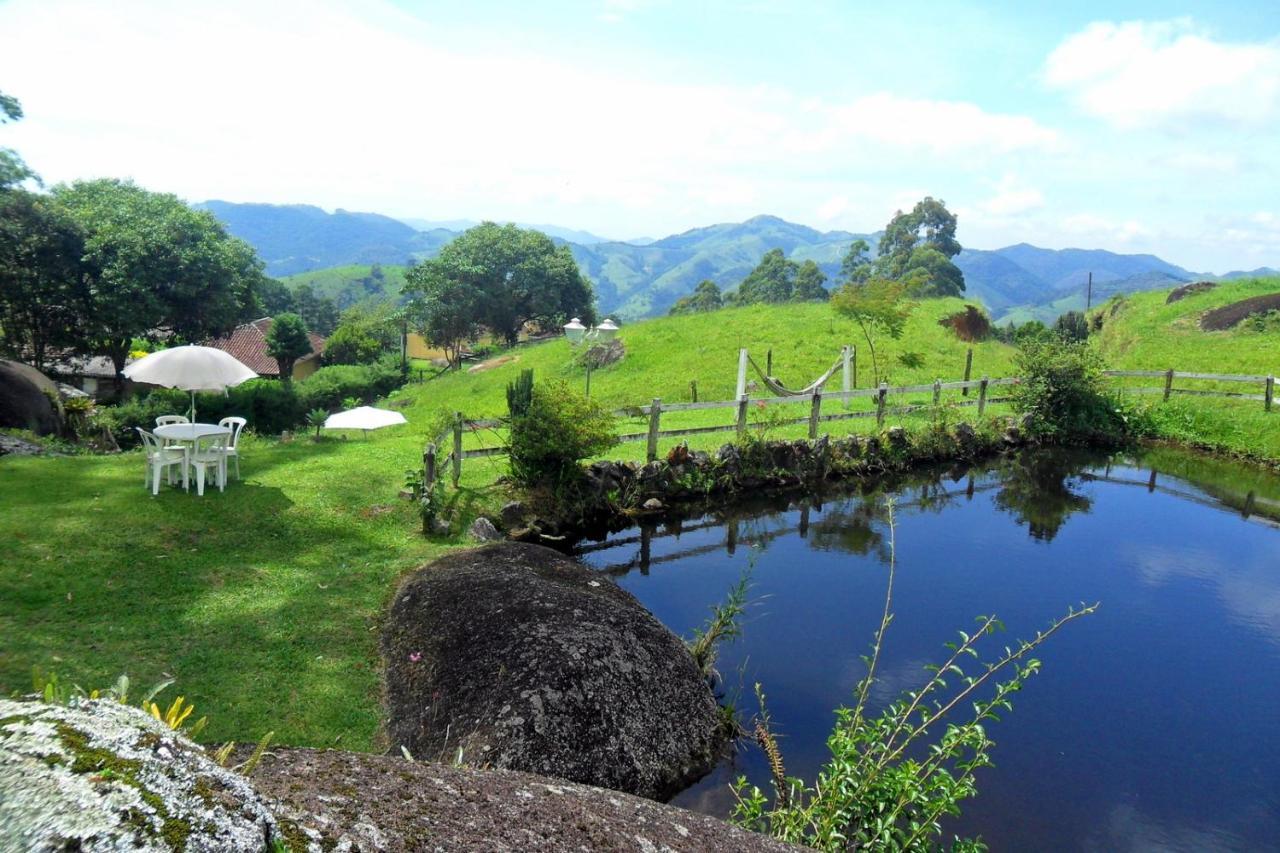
(414, 657)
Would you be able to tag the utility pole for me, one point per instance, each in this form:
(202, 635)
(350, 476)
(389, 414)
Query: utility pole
(1088, 300)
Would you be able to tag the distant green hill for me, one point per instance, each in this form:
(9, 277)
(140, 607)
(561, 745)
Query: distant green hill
(347, 285)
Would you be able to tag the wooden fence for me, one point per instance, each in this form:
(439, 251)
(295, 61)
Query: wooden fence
(434, 464)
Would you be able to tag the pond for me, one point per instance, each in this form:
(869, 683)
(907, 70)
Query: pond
(1153, 722)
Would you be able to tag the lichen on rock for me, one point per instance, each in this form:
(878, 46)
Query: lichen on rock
(99, 775)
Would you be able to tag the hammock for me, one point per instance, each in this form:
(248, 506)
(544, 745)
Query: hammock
(782, 391)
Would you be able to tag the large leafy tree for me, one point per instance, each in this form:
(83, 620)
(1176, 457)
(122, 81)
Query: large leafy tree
(43, 285)
(287, 341)
(773, 280)
(505, 277)
(319, 312)
(857, 264)
(809, 284)
(705, 297)
(156, 269)
(922, 240)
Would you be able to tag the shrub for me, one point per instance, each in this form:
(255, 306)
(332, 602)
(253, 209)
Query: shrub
(352, 344)
(328, 387)
(1062, 391)
(560, 428)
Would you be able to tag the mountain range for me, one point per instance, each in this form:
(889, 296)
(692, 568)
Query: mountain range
(645, 277)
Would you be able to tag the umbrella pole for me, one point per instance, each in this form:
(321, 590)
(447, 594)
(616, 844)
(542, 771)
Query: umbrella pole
(193, 407)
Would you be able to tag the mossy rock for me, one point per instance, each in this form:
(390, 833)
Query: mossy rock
(99, 775)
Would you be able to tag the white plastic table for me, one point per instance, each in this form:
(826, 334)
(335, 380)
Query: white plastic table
(187, 434)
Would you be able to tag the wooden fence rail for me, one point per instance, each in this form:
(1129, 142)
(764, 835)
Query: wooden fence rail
(433, 464)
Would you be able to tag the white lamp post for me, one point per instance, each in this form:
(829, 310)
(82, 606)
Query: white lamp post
(575, 331)
(607, 330)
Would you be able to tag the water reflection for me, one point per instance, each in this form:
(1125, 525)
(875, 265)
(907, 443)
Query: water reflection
(1111, 747)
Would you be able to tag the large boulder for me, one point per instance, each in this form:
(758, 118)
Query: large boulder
(105, 776)
(513, 656)
(329, 800)
(28, 399)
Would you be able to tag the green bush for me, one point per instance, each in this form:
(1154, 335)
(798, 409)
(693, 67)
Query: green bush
(328, 387)
(1062, 391)
(560, 428)
(352, 344)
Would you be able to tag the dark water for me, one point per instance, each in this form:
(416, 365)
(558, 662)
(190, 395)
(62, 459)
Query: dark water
(1153, 725)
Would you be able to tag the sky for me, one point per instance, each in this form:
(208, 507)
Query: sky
(1138, 127)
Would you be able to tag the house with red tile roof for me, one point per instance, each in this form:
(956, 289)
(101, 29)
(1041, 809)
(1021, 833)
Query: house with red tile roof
(248, 343)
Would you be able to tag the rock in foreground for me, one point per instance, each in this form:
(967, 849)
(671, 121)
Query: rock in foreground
(329, 800)
(513, 656)
(105, 776)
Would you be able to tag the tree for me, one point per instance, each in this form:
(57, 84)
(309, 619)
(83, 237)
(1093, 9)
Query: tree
(319, 312)
(365, 333)
(512, 276)
(924, 239)
(43, 287)
(705, 297)
(1072, 326)
(878, 307)
(287, 341)
(856, 266)
(13, 171)
(809, 284)
(444, 310)
(156, 269)
(773, 280)
(276, 298)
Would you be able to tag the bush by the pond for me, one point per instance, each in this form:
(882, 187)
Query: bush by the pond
(558, 429)
(269, 405)
(1062, 391)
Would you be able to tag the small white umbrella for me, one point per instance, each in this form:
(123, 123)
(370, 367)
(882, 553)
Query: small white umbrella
(191, 368)
(365, 418)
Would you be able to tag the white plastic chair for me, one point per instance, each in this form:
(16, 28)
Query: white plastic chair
(162, 456)
(172, 419)
(236, 425)
(209, 450)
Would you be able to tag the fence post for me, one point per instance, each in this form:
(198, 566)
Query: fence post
(1269, 393)
(982, 395)
(429, 466)
(880, 403)
(742, 372)
(457, 448)
(768, 363)
(742, 413)
(655, 417)
(847, 379)
(937, 391)
(1168, 384)
(814, 412)
(693, 389)
(968, 365)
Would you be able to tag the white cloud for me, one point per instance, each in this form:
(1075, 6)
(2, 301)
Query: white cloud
(1012, 197)
(944, 127)
(1166, 74)
(1103, 231)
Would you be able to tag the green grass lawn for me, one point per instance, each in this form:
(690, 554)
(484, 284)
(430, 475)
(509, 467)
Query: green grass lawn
(264, 602)
(1146, 334)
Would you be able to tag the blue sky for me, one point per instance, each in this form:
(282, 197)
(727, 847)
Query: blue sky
(1137, 127)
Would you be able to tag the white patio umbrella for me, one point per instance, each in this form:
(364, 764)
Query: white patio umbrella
(191, 368)
(365, 418)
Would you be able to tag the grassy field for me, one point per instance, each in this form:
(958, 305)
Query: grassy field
(1144, 333)
(264, 602)
(336, 281)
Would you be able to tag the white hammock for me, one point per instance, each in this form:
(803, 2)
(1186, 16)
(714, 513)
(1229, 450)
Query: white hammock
(782, 391)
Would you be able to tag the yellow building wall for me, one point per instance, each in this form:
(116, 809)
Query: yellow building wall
(419, 348)
(302, 368)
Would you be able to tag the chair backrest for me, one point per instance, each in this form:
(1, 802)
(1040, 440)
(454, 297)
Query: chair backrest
(172, 419)
(235, 424)
(150, 441)
(206, 444)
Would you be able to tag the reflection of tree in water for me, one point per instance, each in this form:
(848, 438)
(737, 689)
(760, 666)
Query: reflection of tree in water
(851, 527)
(1036, 489)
